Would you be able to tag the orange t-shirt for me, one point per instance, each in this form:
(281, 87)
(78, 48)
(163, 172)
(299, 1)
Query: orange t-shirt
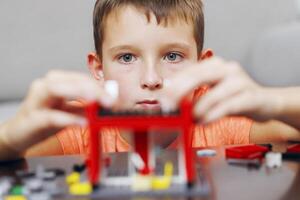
(227, 131)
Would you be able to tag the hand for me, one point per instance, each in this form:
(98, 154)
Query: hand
(48, 108)
(232, 91)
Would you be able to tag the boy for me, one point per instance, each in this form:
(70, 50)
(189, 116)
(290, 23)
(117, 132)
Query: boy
(140, 44)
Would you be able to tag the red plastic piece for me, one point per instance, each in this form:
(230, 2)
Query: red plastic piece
(246, 152)
(141, 145)
(294, 148)
(107, 161)
(140, 125)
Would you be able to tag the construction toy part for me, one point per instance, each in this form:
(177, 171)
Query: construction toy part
(79, 168)
(137, 161)
(40, 196)
(246, 152)
(163, 182)
(5, 185)
(17, 190)
(107, 161)
(206, 153)
(84, 188)
(112, 88)
(73, 178)
(273, 160)
(141, 125)
(168, 169)
(15, 197)
(142, 183)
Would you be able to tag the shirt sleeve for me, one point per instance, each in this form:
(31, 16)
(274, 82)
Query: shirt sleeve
(73, 140)
(227, 131)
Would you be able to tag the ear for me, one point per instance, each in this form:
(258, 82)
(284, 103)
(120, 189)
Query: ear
(205, 54)
(95, 65)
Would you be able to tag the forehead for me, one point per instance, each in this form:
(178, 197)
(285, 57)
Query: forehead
(133, 24)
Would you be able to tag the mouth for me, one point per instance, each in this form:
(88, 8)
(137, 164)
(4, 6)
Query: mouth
(149, 105)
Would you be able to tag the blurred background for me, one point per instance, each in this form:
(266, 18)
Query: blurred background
(36, 36)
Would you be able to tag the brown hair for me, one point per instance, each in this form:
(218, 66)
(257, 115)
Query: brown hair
(164, 10)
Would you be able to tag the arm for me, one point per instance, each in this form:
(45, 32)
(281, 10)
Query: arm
(288, 104)
(46, 110)
(6, 151)
(273, 132)
(233, 92)
(48, 147)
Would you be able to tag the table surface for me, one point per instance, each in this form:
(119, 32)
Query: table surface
(227, 181)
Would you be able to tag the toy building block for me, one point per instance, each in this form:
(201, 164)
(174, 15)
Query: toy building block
(140, 124)
(273, 160)
(40, 196)
(164, 182)
(5, 185)
(17, 190)
(33, 185)
(142, 183)
(73, 178)
(81, 189)
(15, 197)
(246, 152)
(79, 168)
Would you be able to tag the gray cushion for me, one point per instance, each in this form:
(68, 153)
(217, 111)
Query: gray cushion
(8, 110)
(276, 56)
(37, 36)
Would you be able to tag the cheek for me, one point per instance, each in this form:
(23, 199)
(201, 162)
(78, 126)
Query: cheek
(116, 71)
(169, 69)
(128, 81)
(127, 92)
(125, 77)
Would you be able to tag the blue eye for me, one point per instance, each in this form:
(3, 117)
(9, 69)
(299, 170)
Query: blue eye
(173, 57)
(126, 58)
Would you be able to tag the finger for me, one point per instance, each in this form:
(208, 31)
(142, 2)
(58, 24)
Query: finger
(55, 119)
(44, 91)
(227, 88)
(59, 119)
(237, 105)
(72, 76)
(207, 72)
(75, 85)
(74, 107)
(38, 125)
(70, 90)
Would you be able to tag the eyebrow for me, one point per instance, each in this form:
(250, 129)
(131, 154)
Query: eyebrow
(183, 46)
(166, 46)
(122, 47)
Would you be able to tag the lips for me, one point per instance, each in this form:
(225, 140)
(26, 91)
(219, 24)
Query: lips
(149, 104)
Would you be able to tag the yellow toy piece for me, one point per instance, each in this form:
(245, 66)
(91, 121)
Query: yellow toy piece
(73, 178)
(145, 183)
(163, 182)
(168, 170)
(81, 189)
(15, 197)
(142, 183)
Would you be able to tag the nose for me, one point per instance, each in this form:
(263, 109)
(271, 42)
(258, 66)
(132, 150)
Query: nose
(151, 79)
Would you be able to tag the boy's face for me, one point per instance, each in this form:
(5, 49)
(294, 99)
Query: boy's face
(142, 55)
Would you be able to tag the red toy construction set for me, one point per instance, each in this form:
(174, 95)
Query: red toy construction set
(141, 124)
